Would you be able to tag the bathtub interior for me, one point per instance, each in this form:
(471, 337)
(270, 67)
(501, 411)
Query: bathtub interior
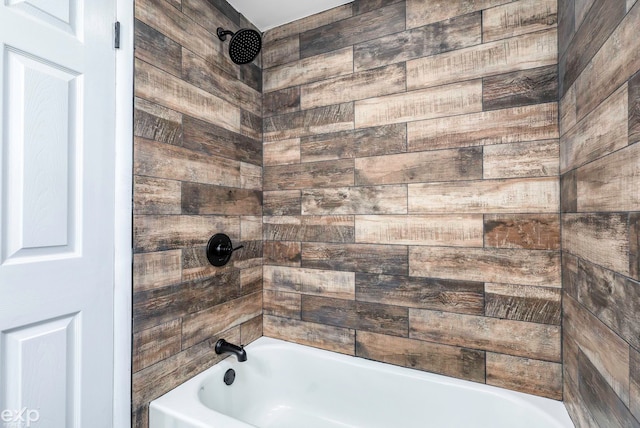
(285, 387)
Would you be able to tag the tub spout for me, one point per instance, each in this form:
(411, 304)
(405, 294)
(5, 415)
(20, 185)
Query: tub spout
(224, 347)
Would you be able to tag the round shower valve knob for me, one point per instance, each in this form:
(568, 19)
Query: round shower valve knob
(219, 249)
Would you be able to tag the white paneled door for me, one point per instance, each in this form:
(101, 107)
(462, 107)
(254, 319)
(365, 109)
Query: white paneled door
(57, 121)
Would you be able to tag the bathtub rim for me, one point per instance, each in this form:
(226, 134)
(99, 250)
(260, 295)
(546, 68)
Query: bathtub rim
(193, 409)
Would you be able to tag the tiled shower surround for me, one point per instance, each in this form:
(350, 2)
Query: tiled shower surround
(411, 189)
(396, 171)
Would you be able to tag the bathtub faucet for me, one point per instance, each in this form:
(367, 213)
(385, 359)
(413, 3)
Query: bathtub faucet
(224, 347)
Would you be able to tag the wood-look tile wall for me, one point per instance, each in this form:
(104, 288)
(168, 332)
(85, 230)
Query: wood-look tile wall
(198, 169)
(411, 187)
(600, 166)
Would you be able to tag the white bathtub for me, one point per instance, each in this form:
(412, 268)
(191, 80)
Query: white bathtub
(285, 385)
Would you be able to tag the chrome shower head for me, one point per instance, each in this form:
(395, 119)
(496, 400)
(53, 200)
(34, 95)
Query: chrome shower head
(244, 46)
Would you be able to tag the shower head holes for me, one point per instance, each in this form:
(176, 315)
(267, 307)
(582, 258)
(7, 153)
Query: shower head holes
(244, 46)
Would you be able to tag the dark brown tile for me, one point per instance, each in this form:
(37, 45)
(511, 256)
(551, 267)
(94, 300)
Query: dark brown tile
(373, 317)
(157, 49)
(456, 33)
(282, 101)
(384, 259)
(519, 88)
(350, 31)
(213, 140)
(205, 199)
(523, 303)
(568, 192)
(601, 400)
(598, 24)
(428, 293)
(634, 109)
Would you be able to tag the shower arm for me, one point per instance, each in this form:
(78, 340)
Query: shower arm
(222, 33)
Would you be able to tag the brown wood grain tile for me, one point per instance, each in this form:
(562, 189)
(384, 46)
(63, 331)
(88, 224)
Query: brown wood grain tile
(282, 304)
(455, 33)
(375, 141)
(465, 297)
(502, 56)
(436, 230)
(319, 282)
(355, 200)
(158, 306)
(156, 270)
(281, 202)
(216, 81)
(156, 196)
(154, 122)
(280, 102)
(347, 32)
(634, 245)
(519, 88)
(281, 152)
(200, 326)
(159, 233)
(366, 84)
(157, 49)
(383, 259)
(613, 298)
(447, 100)
(606, 350)
(306, 70)
(321, 120)
(364, 6)
(634, 109)
(282, 51)
(282, 253)
(513, 125)
(250, 176)
(360, 316)
(569, 192)
(309, 23)
(634, 383)
(169, 91)
(523, 195)
(309, 175)
(606, 407)
(523, 303)
(329, 228)
(591, 33)
(528, 231)
(566, 25)
(159, 14)
(321, 336)
(601, 132)
(421, 12)
(528, 159)
(443, 359)
(526, 267)
(541, 378)
(205, 199)
(156, 344)
(610, 183)
(251, 227)
(251, 330)
(610, 231)
(160, 160)
(441, 165)
(517, 338)
(251, 125)
(567, 106)
(211, 140)
(520, 17)
(614, 63)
